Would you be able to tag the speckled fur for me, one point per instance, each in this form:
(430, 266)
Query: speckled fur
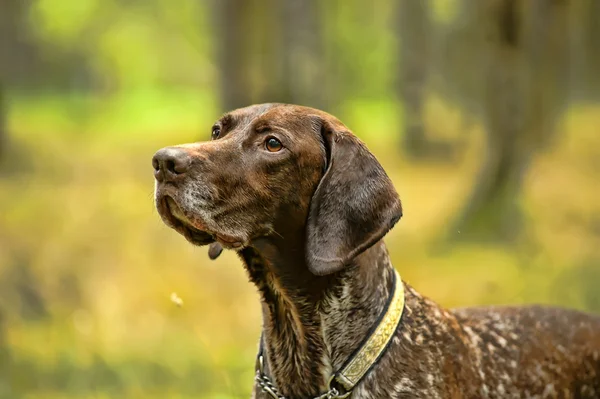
(309, 224)
(475, 353)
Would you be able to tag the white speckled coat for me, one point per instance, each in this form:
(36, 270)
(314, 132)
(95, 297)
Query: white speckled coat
(475, 353)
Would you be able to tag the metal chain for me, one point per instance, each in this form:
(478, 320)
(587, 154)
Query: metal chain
(265, 383)
(267, 386)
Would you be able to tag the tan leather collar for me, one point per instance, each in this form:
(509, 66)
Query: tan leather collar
(372, 349)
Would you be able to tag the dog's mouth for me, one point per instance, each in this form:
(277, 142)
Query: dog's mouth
(193, 230)
(175, 218)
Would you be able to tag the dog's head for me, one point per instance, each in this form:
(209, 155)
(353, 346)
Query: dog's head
(271, 169)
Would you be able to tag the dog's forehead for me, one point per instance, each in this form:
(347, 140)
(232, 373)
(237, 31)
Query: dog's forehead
(279, 114)
(268, 113)
(246, 115)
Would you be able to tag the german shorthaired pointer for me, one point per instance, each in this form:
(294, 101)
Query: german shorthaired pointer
(306, 207)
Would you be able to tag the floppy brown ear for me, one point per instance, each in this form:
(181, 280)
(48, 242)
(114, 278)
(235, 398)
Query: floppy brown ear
(354, 205)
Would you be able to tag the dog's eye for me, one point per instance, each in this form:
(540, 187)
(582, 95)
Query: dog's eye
(273, 144)
(216, 131)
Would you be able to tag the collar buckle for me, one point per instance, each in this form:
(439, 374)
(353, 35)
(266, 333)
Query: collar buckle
(333, 392)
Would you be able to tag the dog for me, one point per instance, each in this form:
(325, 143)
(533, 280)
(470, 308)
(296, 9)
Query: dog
(306, 207)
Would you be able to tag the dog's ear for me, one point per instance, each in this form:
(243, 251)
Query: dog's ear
(354, 205)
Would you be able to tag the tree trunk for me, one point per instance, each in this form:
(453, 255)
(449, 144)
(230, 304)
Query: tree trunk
(302, 53)
(233, 53)
(585, 50)
(3, 123)
(526, 87)
(416, 32)
(414, 26)
(269, 51)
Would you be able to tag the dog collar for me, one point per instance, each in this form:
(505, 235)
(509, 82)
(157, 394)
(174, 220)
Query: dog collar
(362, 360)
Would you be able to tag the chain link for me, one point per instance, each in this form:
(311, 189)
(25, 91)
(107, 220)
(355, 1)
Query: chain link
(267, 386)
(265, 383)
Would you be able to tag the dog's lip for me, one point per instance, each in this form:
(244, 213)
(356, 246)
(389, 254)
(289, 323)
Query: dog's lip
(174, 217)
(229, 241)
(191, 229)
(176, 212)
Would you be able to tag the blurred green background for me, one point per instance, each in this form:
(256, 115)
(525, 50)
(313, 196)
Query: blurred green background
(486, 114)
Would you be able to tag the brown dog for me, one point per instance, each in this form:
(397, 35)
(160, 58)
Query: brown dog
(306, 206)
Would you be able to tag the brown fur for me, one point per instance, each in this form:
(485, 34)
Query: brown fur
(308, 222)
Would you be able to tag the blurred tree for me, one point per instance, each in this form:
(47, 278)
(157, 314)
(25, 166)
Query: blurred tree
(3, 121)
(527, 84)
(22, 286)
(29, 61)
(269, 52)
(301, 49)
(416, 30)
(585, 50)
(456, 65)
(233, 47)
(17, 54)
(7, 27)
(5, 359)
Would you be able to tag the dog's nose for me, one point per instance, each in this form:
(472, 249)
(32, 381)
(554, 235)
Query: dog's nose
(169, 163)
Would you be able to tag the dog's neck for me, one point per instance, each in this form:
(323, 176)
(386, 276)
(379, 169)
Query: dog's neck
(311, 324)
